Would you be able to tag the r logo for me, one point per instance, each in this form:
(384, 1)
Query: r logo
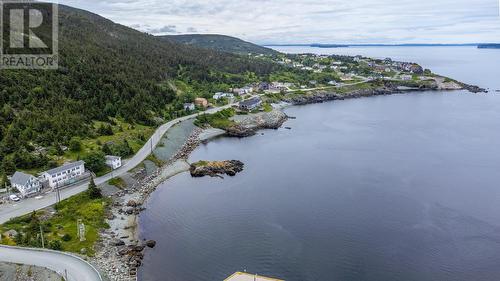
(29, 33)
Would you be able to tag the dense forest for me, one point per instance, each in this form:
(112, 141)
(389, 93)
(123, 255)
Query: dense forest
(106, 71)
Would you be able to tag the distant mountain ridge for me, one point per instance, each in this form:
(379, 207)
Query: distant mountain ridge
(320, 45)
(489, 46)
(220, 43)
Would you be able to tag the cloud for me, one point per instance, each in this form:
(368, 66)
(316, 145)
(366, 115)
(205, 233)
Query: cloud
(324, 21)
(167, 29)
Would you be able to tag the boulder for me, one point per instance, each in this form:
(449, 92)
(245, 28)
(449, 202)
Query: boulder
(151, 243)
(116, 242)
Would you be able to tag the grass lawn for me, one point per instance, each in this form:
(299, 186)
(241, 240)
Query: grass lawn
(61, 226)
(118, 182)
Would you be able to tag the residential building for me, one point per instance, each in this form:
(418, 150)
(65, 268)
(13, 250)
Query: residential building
(406, 77)
(65, 174)
(201, 102)
(243, 91)
(114, 162)
(26, 184)
(250, 104)
(221, 95)
(189, 106)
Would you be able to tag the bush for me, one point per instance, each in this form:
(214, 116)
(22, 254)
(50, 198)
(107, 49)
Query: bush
(66, 237)
(95, 161)
(55, 245)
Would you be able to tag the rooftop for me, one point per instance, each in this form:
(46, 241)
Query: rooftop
(20, 178)
(64, 167)
(112, 157)
(243, 276)
(249, 102)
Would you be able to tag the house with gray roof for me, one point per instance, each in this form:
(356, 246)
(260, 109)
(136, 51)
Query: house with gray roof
(250, 104)
(63, 175)
(26, 184)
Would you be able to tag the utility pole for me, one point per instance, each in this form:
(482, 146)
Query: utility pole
(58, 195)
(41, 234)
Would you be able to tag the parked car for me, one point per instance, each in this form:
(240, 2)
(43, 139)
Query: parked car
(14, 198)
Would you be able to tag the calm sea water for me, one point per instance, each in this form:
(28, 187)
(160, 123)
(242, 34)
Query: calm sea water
(402, 187)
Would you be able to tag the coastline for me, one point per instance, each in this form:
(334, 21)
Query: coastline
(121, 250)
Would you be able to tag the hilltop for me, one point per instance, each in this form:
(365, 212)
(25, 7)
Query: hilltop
(221, 43)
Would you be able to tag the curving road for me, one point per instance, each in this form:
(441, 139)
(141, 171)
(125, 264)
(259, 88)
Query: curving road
(76, 269)
(29, 205)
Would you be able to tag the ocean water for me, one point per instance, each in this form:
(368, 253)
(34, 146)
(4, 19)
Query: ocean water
(401, 187)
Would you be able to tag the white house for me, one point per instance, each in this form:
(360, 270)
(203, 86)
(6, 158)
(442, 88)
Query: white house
(221, 95)
(65, 174)
(114, 162)
(26, 184)
(189, 106)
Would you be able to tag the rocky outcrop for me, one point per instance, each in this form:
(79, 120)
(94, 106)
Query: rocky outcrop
(216, 168)
(254, 122)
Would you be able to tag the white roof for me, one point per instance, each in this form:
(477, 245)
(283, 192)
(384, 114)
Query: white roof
(242, 276)
(65, 167)
(112, 157)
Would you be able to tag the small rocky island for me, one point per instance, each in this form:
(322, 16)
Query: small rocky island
(216, 168)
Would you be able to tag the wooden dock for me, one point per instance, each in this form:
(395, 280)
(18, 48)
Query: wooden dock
(243, 276)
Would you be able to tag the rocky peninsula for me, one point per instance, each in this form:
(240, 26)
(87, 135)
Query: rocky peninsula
(249, 125)
(216, 168)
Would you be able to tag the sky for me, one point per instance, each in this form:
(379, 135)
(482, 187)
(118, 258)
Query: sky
(314, 21)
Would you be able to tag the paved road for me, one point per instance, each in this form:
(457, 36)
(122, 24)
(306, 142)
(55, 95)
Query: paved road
(76, 268)
(26, 206)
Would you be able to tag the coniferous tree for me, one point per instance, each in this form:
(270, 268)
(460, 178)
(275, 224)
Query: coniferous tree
(93, 191)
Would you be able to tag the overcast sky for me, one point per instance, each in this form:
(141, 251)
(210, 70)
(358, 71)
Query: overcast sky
(315, 21)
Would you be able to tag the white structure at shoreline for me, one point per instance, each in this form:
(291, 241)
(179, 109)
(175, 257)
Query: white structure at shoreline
(243, 276)
(26, 184)
(114, 162)
(65, 174)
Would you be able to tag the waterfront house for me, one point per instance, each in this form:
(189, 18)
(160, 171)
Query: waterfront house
(250, 104)
(202, 102)
(114, 162)
(26, 184)
(189, 106)
(63, 175)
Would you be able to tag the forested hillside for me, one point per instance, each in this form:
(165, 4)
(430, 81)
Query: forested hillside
(220, 43)
(106, 70)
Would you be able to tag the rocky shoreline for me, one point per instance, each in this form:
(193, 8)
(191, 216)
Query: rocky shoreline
(387, 88)
(120, 252)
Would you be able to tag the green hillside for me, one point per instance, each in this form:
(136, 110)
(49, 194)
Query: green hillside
(106, 71)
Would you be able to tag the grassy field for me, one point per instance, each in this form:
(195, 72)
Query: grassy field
(60, 228)
(217, 120)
